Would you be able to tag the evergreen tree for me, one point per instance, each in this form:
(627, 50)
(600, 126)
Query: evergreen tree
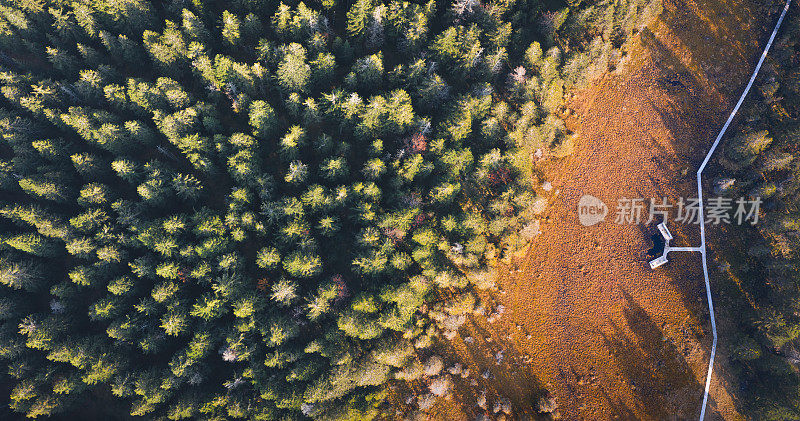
(293, 71)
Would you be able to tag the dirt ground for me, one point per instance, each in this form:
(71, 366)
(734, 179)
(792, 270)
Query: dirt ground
(586, 318)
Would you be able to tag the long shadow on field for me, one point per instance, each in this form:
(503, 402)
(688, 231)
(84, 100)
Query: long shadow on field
(502, 371)
(618, 408)
(655, 367)
(685, 113)
(711, 24)
(691, 136)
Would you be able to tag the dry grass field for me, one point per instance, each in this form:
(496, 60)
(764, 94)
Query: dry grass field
(585, 316)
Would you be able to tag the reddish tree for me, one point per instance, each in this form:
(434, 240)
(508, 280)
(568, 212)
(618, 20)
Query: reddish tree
(262, 284)
(500, 176)
(342, 291)
(416, 144)
(394, 234)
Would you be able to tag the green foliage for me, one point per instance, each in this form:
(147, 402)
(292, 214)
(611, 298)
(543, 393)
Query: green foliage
(759, 156)
(239, 210)
(293, 71)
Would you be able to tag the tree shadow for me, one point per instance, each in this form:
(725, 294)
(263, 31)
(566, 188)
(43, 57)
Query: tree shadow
(655, 367)
(490, 370)
(502, 370)
(725, 30)
(619, 410)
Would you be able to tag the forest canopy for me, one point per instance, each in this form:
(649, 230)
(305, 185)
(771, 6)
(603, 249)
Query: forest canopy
(254, 209)
(759, 160)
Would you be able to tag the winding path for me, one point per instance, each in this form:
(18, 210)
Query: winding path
(701, 214)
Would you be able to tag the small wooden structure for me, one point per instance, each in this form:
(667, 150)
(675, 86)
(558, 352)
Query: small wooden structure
(658, 261)
(661, 260)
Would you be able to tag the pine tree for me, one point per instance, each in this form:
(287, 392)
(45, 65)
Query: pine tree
(47, 186)
(32, 243)
(284, 292)
(293, 71)
(230, 28)
(20, 275)
(262, 119)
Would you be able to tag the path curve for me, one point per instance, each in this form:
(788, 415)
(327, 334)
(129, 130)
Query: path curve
(701, 210)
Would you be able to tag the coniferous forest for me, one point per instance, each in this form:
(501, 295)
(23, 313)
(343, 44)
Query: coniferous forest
(759, 160)
(265, 210)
